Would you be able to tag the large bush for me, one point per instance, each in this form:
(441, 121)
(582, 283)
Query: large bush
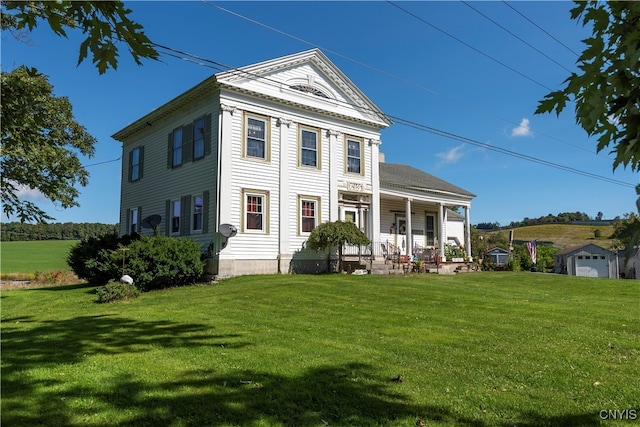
(160, 261)
(93, 259)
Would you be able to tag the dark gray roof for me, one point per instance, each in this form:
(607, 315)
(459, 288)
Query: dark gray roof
(405, 176)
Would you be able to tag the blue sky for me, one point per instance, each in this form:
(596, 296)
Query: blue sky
(448, 65)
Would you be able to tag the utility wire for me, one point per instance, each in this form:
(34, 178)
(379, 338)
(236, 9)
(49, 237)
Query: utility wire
(102, 163)
(517, 37)
(420, 126)
(398, 78)
(540, 28)
(424, 21)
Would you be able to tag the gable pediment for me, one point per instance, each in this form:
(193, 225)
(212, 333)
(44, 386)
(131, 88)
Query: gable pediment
(309, 80)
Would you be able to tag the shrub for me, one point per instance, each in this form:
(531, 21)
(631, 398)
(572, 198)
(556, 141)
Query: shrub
(116, 291)
(158, 262)
(92, 259)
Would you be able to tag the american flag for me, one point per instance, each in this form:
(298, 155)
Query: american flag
(531, 247)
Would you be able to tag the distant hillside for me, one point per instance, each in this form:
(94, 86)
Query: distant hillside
(564, 235)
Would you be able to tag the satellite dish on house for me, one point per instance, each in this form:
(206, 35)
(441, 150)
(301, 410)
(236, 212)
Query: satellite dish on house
(227, 230)
(151, 221)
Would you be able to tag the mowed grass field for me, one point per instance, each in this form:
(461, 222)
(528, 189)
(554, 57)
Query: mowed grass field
(478, 349)
(34, 256)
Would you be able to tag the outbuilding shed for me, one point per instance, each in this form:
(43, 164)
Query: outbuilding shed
(587, 260)
(498, 256)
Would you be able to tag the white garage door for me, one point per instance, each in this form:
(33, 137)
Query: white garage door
(592, 266)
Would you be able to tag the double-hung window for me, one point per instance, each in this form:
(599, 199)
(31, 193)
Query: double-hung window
(309, 208)
(255, 211)
(354, 155)
(176, 147)
(198, 138)
(256, 137)
(133, 221)
(135, 163)
(175, 216)
(309, 142)
(431, 230)
(198, 204)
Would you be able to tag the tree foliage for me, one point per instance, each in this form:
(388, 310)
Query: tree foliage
(41, 142)
(330, 235)
(626, 231)
(607, 89)
(105, 23)
(18, 231)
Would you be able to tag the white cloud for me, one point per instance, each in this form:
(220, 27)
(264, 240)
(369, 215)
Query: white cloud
(451, 156)
(522, 130)
(25, 192)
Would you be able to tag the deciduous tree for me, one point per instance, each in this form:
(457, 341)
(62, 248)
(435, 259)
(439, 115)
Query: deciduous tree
(41, 140)
(41, 144)
(330, 235)
(606, 91)
(106, 25)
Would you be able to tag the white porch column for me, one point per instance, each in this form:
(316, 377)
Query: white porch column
(374, 212)
(284, 251)
(409, 250)
(334, 215)
(224, 167)
(226, 264)
(441, 229)
(467, 232)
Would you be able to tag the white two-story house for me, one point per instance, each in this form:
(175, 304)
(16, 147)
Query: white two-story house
(271, 150)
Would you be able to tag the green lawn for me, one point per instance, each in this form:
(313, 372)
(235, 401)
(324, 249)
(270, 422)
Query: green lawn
(481, 349)
(34, 256)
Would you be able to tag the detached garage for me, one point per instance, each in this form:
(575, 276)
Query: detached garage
(588, 260)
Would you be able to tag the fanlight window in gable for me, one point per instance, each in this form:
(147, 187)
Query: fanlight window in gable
(310, 89)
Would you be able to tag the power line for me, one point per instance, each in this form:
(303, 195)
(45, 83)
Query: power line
(426, 128)
(424, 21)
(517, 37)
(435, 131)
(540, 28)
(102, 163)
(398, 78)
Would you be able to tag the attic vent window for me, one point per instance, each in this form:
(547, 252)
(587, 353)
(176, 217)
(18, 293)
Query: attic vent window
(310, 89)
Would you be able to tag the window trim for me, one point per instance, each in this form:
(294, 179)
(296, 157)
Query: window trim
(318, 133)
(201, 139)
(134, 227)
(136, 166)
(317, 212)
(267, 136)
(265, 211)
(360, 142)
(173, 204)
(194, 212)
(175, 149)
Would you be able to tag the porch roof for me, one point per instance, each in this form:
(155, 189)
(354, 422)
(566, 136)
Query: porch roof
(404, 176)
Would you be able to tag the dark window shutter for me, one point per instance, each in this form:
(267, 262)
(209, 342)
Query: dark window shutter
(141, 163)
(139, 225)
(128, 222)
(185, 220)
(130, 164)
(187, 143)
(167, 218)
(207, 135)
(170, 151)
(205, 211)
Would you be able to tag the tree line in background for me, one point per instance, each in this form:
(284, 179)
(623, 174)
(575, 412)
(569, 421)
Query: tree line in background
(561, 218)
(13, 231)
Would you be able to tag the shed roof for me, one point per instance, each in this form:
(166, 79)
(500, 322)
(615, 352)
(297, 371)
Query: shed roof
(591, 247)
